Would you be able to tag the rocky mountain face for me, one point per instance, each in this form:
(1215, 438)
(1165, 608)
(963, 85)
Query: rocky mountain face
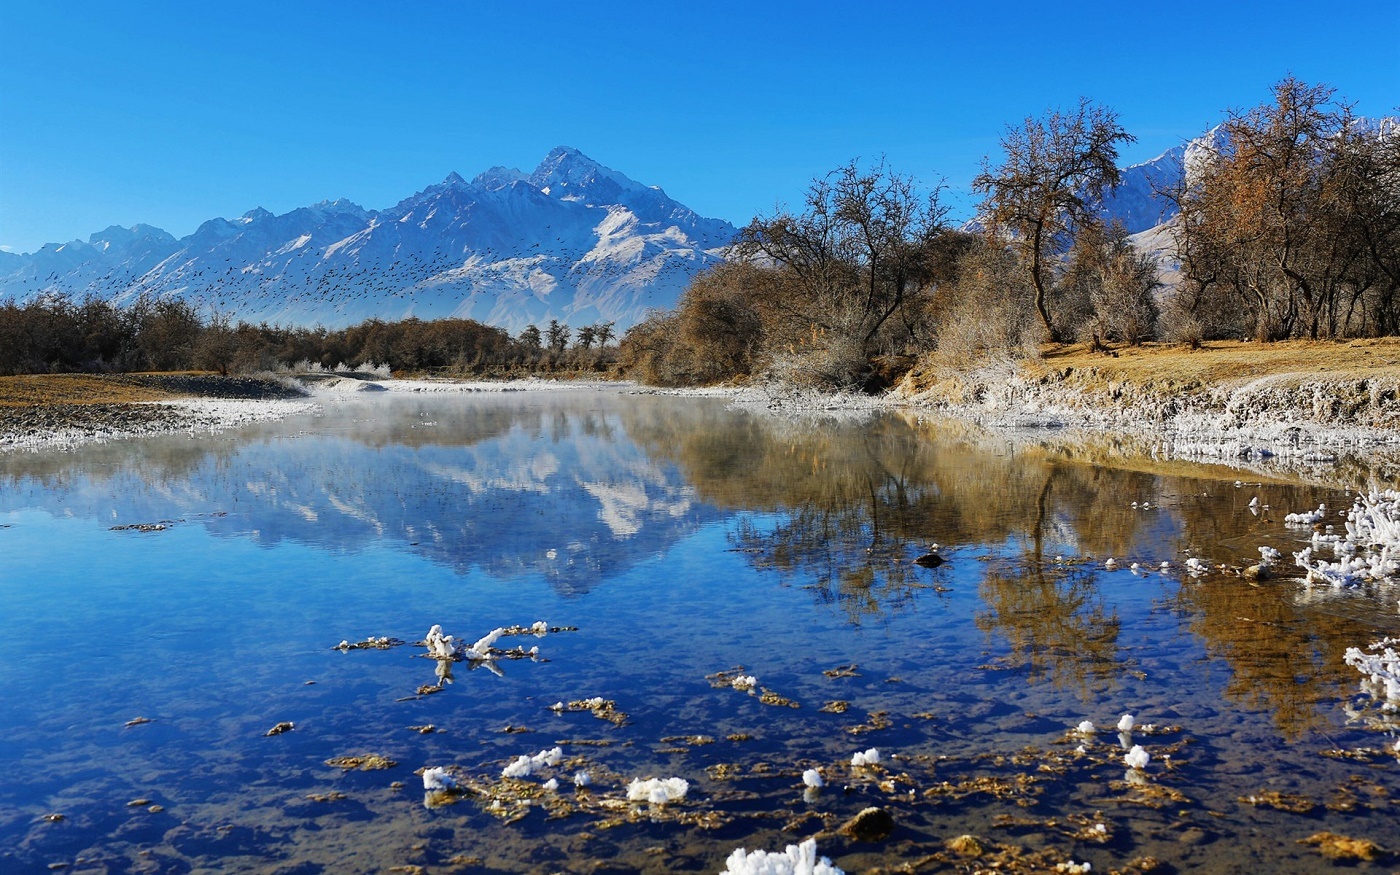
(573, 241)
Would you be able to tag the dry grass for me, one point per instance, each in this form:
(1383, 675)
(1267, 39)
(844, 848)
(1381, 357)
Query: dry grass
(1224, 362)
(40, 389)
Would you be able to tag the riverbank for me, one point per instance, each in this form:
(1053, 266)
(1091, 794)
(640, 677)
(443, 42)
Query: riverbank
(1299, 405)
(62, 411)
(1294, 404)
(68, 410)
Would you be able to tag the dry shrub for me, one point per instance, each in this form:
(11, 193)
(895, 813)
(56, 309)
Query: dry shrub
(837, 363)
(992, 309)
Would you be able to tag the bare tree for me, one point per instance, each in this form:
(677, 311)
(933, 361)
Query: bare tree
(854, 258)
(1113, 283)
(587, 335)
(1053, 177)
(1294, 219)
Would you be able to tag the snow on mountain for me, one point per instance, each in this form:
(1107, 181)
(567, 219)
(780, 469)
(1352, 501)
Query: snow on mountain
(1141, 204)
(573, 241)
(1140, 201)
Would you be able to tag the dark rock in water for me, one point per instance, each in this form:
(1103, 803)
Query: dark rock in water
(1258, 572)
(929, 560)
(871, 825)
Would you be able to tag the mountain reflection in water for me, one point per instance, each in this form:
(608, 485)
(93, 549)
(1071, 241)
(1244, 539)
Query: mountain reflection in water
(681, 537)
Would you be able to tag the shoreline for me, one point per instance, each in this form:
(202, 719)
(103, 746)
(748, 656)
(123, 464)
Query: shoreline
(106, 408)
(1340, 428)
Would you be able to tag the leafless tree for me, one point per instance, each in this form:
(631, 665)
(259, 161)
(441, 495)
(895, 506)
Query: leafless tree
(1053, 176)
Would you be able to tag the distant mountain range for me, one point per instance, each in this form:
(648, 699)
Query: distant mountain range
(573, 241)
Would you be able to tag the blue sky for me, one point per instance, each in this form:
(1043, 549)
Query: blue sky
(171, 113)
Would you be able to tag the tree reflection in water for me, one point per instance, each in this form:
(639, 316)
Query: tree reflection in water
(1054, 621)
(843, 508)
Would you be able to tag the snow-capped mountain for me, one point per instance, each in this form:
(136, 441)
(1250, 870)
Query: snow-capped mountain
(1140, 200)
(573, 241)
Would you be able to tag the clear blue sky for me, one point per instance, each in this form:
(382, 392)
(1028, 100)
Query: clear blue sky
(170, 113)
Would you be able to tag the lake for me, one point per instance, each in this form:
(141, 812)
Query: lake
(173, 603)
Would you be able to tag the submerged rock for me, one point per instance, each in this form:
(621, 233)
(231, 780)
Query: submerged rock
(1257, 572)
(365, 763)
(1342, 848)
(871, 825)
(966, 846)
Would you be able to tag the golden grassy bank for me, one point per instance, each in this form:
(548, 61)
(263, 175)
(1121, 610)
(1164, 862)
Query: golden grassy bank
(1352, 383)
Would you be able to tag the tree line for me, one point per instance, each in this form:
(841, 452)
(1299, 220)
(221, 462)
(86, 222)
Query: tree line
(1289, 226)
(57, 334)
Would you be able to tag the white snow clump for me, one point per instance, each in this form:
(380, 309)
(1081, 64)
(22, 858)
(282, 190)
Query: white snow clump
(657, 791)
(866, 757)
(796, 860)
(1137, 758)
(1368, 552)
(1126, 723)
(1380, 663)
(439, 646)
(1086, 727)
(523, 766)
(812, 778)
(1305, 518)
(745, 682)
(437, 778)
(481, 650)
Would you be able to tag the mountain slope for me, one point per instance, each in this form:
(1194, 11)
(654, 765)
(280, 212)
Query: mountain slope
(573, 241)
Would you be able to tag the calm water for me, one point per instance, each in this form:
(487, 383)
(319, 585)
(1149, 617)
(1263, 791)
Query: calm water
(682, 540)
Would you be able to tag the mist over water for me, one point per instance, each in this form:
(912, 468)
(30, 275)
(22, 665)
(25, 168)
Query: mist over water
(683, 539)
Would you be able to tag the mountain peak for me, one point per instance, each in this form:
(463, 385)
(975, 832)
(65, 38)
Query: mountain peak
(454, 178)
(117, 235)
(498, 177)
(566, 171)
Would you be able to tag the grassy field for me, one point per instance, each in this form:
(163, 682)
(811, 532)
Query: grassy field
(1223, 362)
(40, 389)
(88, 389)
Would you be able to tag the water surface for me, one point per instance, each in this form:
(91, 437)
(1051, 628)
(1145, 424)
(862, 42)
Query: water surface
(683, 540)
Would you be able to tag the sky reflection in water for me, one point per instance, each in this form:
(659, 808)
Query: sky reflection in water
(682, 539)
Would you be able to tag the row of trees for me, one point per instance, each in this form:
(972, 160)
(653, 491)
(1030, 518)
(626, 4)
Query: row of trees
(57, 334)
(1289, 226)
(870, 272)
(1290, 222)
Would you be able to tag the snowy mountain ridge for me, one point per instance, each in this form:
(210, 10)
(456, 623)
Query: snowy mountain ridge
(574, 241)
